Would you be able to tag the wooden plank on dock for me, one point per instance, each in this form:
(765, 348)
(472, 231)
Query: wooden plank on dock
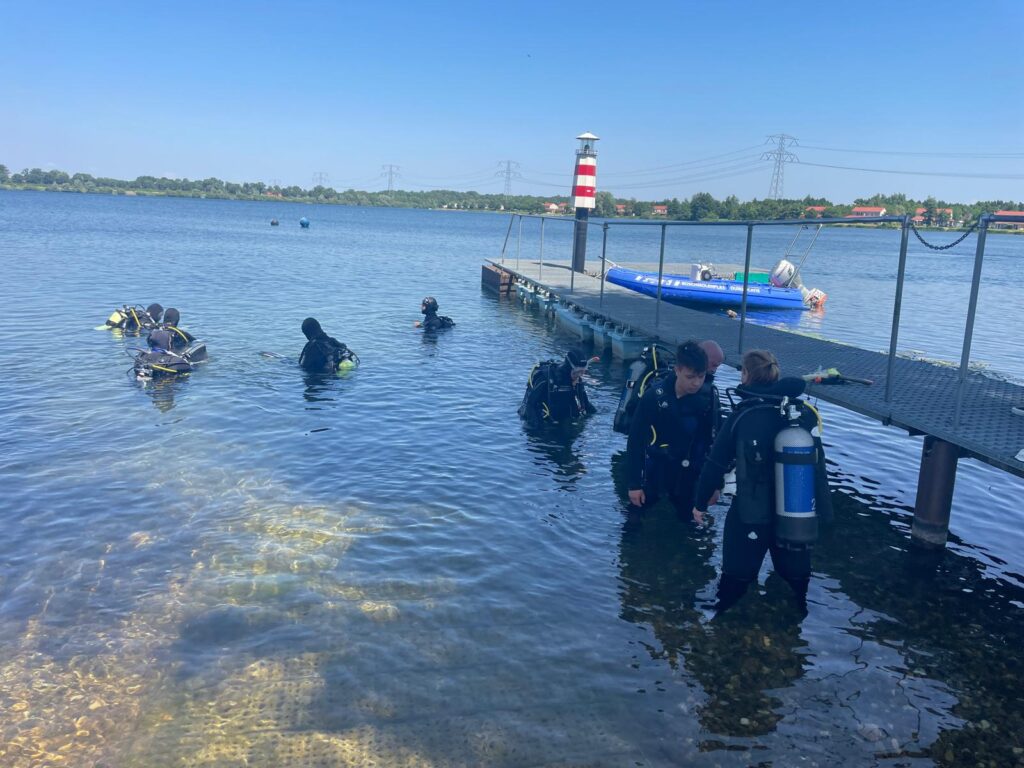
(923, 394)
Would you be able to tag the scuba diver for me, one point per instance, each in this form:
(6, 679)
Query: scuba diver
(133, 318)
(671, 432)
(168, 336)
(431, 320)
(781, 481)
(555, 392)
(172, 351)
(323, 353)
(715, 358)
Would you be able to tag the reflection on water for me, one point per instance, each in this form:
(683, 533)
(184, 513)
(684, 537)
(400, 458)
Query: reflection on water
(385, 568)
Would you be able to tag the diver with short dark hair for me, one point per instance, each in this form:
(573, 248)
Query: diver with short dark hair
(671, 433)
(323, 353)
(431, 320)
(555, 392)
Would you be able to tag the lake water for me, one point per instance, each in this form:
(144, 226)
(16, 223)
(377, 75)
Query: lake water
(251, 567)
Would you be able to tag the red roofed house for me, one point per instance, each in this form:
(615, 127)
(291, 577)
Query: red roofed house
(1009, 224)
(620, 208)
(865, 212)
(814, 211)
(942, 217)
(551, 207)
(659, 210)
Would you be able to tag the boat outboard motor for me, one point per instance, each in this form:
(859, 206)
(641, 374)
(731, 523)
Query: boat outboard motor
(784, 275)
(796, 519)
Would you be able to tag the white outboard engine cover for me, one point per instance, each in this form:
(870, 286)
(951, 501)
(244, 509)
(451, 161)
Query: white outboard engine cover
(702, 271)
(784, 275)
(796, 519)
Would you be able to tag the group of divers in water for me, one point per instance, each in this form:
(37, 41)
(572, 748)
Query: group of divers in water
(764, 447)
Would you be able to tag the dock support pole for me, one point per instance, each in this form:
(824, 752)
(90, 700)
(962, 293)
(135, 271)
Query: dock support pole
(604, 254)
(972, 307)
(746, 283)
(579, 240)
(901, 272)
(540, 257)
(661, 276)
(934, 493)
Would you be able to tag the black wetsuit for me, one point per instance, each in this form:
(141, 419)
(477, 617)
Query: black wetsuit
(435, 322)
(749, 524)
(669, 438)
(323, 354)
(554, 399)
(170, 338)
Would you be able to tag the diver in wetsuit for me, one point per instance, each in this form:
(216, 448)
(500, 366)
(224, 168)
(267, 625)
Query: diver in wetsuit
(671, 432)
(431, 320)
(555, 392)
(135, 319)
(169, 336)
(322, 353)
(747, 440)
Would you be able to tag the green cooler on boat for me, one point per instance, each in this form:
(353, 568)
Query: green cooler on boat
(762, 278)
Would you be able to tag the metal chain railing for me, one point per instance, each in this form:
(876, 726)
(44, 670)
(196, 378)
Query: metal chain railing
(959, 240)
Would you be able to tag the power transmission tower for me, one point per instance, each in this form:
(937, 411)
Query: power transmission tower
(510, 170)
(391, 171)
(320, 179)
(781, 155)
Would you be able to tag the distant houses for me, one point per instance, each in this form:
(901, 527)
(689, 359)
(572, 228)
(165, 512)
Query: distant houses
(1009, 224)
(865, 212)
(555, 207)
(941, 217)
(659, 210)
(814, 211)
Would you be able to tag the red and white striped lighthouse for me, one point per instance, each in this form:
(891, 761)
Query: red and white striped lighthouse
(584, 196)
(584, 182)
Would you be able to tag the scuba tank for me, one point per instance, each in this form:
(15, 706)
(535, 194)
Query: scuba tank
(796, 456)
(654, 361)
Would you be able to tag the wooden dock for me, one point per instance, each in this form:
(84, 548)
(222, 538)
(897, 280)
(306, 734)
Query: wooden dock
(924, 394)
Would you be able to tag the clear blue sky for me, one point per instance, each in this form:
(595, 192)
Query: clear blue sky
(258, 91)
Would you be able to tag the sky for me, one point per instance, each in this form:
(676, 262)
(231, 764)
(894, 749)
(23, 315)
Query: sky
(880, 97)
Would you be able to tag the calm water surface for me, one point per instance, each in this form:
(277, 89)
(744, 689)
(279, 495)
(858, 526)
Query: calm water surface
(252, 567)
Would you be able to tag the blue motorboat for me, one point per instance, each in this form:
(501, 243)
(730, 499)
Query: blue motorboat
(706, 288)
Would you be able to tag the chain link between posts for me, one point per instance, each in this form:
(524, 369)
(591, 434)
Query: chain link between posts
(959, 240)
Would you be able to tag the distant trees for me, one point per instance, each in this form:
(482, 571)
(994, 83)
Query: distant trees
(701, 206)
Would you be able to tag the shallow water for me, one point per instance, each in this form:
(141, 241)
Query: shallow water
(255, 567)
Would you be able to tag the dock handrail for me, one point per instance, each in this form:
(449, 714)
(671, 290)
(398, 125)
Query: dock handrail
(905, 225)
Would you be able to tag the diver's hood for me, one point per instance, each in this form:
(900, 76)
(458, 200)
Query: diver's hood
(311, 328)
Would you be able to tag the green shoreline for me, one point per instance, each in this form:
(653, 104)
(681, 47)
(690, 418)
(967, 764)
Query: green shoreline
(452, 200)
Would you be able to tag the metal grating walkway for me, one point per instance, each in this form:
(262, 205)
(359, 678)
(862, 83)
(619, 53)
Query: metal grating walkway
(923, 393)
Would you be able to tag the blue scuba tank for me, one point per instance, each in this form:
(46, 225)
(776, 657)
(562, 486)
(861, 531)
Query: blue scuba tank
(796, 457)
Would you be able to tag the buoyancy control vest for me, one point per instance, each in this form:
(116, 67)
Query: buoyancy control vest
(325, 355)
(435, 322)
(693, 418)
(170, 338)
(655, 361)
(548, 389)
(131, 319)
(780, 468)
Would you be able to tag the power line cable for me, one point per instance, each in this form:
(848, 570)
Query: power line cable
(920, 173)
(993, 155)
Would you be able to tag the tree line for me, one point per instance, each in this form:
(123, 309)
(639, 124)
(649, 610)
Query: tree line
(699, 207)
